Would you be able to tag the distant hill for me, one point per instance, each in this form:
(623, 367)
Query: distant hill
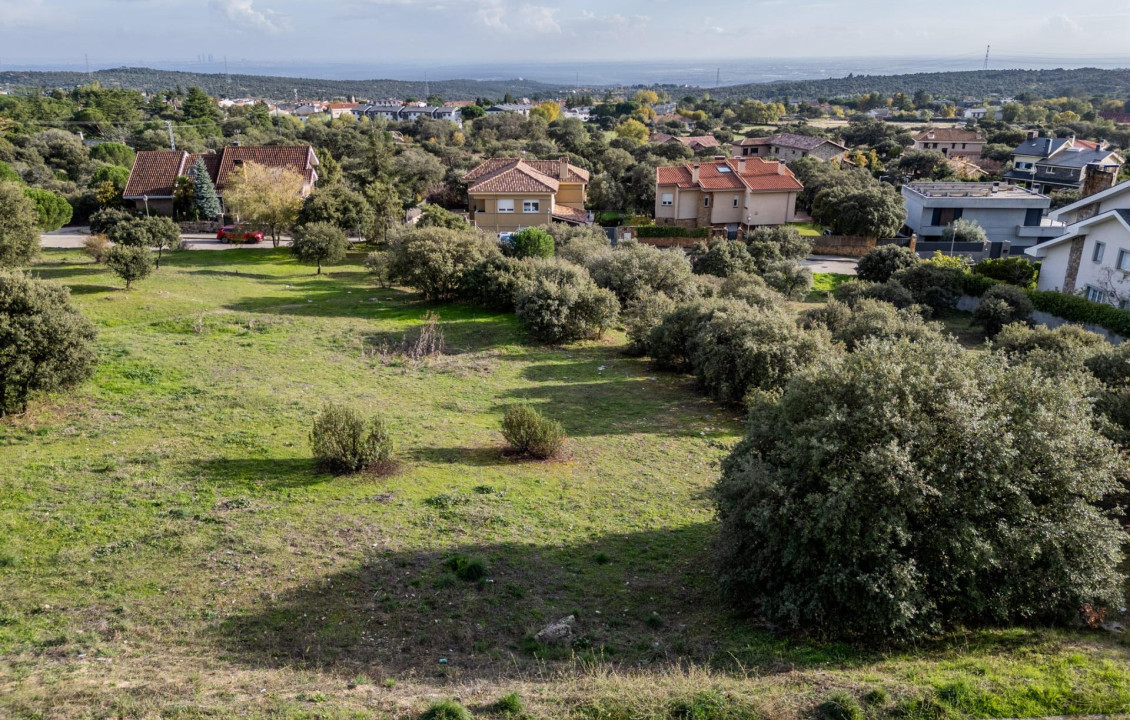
(274, 87)
(974, 83)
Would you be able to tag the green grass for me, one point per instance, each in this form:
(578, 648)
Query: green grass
(808, 229)
(171, 549)
(823, 284)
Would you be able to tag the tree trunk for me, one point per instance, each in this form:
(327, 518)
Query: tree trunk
(159, 249)
(319, 267)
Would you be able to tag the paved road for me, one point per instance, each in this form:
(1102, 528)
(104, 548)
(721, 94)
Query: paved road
(73, 237)
(830, 264)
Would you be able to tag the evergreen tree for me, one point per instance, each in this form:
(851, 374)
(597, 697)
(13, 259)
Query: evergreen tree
(206, 200)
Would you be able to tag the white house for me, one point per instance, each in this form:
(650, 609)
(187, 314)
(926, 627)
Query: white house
(1092, 257)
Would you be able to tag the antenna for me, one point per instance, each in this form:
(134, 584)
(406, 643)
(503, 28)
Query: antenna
(172, 140)
(427, 87)
(86, 58)
(226, 69)
(986, 57)
(718, 77)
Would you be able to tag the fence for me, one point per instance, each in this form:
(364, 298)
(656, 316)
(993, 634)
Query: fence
(843, 245)
(199, 226)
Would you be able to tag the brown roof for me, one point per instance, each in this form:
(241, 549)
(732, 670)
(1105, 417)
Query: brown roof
(154, 172)
(790, 140)
(570, 214)
(949, 135)
(759, 176)
(503, 175)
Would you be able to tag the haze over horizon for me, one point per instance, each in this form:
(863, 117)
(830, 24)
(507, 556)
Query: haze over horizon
(615, 41)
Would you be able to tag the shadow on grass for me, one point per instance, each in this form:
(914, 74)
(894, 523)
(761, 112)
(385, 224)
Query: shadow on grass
(256, 473)
(475, 457)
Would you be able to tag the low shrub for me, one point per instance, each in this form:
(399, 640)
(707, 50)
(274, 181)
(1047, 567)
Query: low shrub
(853, 291)
(1074, 308)
(469, 569)
(344, 441)
(561, 303)
(632, 270)
(531, 242)
(932, 285)
(447, 710)
(434, 260)
(102, 221)
(976, 285)
(1064, 340)
(97, 247)
(379, 264)
(789, 278)
(495, 281)
(875, 319)
(578, 244)
(1002, 305)
(840, 706)
(752, 289)
(722, 258)
(130, 262)
(529, 433)
(1018, 271)
(833, 316)
(509, 705)
(880, 264)
(671, 344)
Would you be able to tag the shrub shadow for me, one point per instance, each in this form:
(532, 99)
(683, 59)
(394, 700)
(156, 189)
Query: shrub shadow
(263, 473)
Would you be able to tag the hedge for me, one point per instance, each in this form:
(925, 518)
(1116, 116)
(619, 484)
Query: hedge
(977, 285)
(664, 231)
(1081, 310)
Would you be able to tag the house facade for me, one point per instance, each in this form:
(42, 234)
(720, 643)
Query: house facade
(1092, 256)
(697, 143)
(153, 176)
(1008, 214)
(789, 146)
(392, 112)
(726, 192)
(951, 142)
(1049, 164)
(508, 194)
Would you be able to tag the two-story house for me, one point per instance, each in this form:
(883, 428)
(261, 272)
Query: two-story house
(508, 194)
(789, 146)
(697, 143)
(1092, 256)
(154, 173)
(726, 192)
(1047, 164)
(393, 112)
(951, 142)
(1008, 213)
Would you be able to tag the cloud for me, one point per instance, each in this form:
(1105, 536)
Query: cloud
(518, 19)
(244, 16)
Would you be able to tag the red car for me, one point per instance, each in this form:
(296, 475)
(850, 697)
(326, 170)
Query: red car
(238, 234)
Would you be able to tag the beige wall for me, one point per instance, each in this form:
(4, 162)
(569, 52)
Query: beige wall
(571, 195)
(722, 211)
(952, 149)
(775, 208)
(493, 221)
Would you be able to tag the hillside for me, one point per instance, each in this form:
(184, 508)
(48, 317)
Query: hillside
(218, 84)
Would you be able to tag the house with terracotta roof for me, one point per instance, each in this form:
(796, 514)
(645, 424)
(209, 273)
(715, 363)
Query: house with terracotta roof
(951, 142)
(726, 192)
(696, 143)
(789, 146)
(508, 194)
(154, 173)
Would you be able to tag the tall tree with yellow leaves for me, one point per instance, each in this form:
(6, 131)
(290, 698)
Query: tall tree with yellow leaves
(268, 198)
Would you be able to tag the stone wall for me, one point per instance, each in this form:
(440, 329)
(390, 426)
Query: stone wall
(843, 245)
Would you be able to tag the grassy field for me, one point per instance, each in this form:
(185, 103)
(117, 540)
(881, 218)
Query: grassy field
(167, 548)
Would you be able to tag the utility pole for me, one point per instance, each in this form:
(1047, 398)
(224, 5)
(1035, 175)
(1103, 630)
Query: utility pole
(172, 140)
(226, 73)
(717, 77)
(427, 87)
(986, 57)
(86, 58)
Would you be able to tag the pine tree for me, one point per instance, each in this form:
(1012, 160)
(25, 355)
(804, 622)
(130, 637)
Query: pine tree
(206, 199)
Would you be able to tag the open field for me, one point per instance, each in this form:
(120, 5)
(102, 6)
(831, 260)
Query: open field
(168, 550)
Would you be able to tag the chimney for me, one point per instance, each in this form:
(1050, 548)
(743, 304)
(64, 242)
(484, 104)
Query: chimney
(694, 173)
(563, 168)
(741, 165)
(235, 143)
(1047, 146)
(1098, 179)
(1033, 134)
(719, 157)
(781, 169)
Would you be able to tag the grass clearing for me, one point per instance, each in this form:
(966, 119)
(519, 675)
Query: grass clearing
(169, 549)
(808, 229)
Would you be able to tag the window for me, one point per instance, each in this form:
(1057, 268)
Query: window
(1097, 253)
(505, 206)
(945, 216)
(1124, 260)
(737, 198)
(706, 201)
(667, 199)
(531, 206)
(1095, 295)
(1033, 217)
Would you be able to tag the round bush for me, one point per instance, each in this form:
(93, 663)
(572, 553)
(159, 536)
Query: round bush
(853, 291)
(768, 245)
(932, 285)
(671, 344)
(1002, 305)
(833, 316)
(130, 262)
(752, 289)
(789, 278)
(19, 231)
(319, 243)
(447, 710)
(53, 210)
(494, 282)
(1018, 271)
(908, 487)
(531, 242)
(561, 303)
(344, 441)
(531, 434)
(722, 258)
(876, 319)
(433, 260)
(632, 270)
(880, 264)
(103, 220)
(642, 316)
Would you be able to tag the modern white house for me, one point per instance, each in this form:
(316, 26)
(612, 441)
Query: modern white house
(1092, 256)
(1008, 213)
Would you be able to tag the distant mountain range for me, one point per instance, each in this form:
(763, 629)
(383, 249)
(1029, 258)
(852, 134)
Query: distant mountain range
(976, 83)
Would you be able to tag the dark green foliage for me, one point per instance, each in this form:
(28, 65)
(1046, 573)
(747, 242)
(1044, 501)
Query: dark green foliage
(45, 343)
(469, 569)
(1078, 309)
(632, 270)
(436, 216)
(875, 319)
(840, 705)
(1016, 271)
(1002, 305)
(104, 220)
(789, 278)
(129, 233)
(130, 262)
(751, 288)
(710, 705)
(53, 211)
(722, 258)
(1065, 340)
(561, 303)
(164, 234)
(672, 344)
(19, 231)
(833, 316)
(768, 245)
(852, 291)
(433, 260)
(114, 153)
(344, 441)
(908, 486)
(494, 282)
(320, 243)
(339, 206)
(931, 285)
(509, 705)
(204, 191)
(874, 211)
(880, 264)
(531, 242)
(642, 316)
(529, 433)
(666, 231)
(447, 710)
(975, 285)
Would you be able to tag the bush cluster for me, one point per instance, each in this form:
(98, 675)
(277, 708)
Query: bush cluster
(880, 264)
(345, 441)
(529, 433)
(561, 303)
(1002, 305)
(1018, 271)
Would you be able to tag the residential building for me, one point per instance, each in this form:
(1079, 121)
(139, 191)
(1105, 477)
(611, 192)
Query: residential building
(1092, 256)
(1008, 213)
(520, 108)
(154, 173)
(407, 113)
(1048, 164)
(980, 113)
(581, 112)
(951, 142)
(336, 110)
(726, 192)
(508, 194)
(789, 146)
(697, 143)
(666, 108)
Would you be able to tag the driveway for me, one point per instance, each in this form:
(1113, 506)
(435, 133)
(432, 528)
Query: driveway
(73, 237)
(830, 264)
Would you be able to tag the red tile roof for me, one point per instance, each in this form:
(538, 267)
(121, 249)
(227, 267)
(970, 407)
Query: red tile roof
(759, 176)
(519, 175)
(154, 172)
(570, 214)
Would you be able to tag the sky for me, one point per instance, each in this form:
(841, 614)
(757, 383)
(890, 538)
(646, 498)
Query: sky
(419, 32)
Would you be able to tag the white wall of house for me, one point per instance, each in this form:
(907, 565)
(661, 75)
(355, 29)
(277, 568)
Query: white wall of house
(1100, 274)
